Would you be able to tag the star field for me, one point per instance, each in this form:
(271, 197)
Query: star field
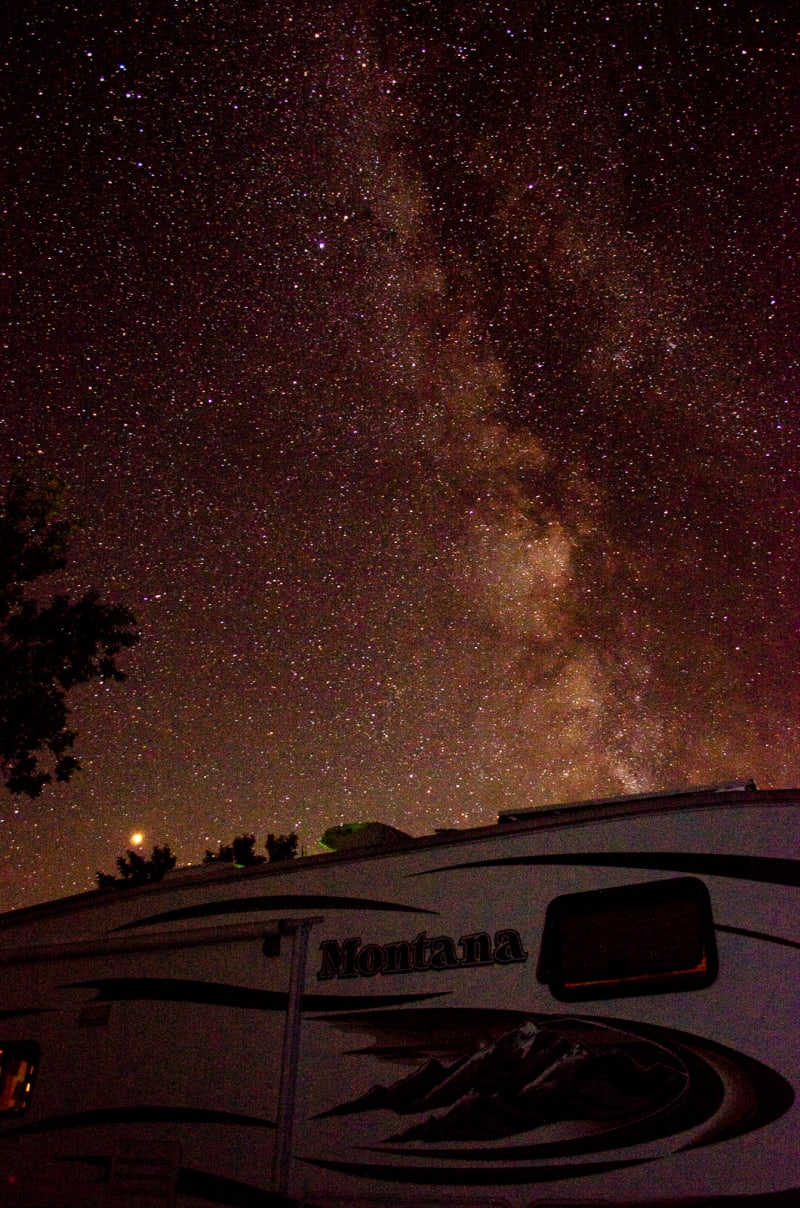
(426, 379)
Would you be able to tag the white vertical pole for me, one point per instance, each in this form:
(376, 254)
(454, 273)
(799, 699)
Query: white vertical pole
(290, 1056)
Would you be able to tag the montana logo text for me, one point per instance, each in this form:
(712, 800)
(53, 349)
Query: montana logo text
(351, 958)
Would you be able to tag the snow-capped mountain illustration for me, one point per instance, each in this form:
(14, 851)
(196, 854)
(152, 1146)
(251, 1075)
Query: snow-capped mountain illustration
(529, 1077)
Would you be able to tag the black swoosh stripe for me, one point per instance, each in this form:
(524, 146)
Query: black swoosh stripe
(234, 1194)
(137, 1115)
(758, 935)
(305, 901)
(771, 869)
(25, 1011)
(221, 994)
(476, 1176)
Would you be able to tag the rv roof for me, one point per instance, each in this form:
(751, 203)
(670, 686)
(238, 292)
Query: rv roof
(731, 786)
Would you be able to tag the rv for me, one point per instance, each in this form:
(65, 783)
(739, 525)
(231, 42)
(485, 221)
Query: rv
(586, 1004)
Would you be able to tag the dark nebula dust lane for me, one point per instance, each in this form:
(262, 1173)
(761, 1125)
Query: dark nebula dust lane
(426, 379)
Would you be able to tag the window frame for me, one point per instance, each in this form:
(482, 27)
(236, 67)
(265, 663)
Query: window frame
(616, 902)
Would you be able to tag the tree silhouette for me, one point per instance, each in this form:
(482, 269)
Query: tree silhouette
(135, 870)
(281, 847)
(223, 856)
(46, 649)
(243, 852)
(240, 852)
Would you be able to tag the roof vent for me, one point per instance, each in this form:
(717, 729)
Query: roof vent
(352, 835)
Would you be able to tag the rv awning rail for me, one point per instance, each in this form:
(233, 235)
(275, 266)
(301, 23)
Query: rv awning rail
(185, 938)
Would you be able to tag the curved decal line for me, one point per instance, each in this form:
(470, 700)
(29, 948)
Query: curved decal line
(771, 869)
(233, 1194)
(475, 1176)
(25, 1011)
(221, 994)
(137, 1115)
(758, 935)
(304, 901)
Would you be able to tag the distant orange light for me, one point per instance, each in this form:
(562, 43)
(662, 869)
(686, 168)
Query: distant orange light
(137, 839)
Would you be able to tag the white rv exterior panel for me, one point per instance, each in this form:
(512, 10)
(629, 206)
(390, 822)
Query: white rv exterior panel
(435, 1060)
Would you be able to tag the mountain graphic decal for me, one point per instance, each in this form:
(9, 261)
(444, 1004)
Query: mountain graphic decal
(572, 1085)
(530, 1077)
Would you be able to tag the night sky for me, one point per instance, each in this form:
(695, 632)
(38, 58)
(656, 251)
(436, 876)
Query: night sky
(425, 376)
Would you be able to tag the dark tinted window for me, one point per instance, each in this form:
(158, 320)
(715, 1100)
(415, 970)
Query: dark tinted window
(638, 939)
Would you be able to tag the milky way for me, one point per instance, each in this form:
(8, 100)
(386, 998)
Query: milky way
(426, 379)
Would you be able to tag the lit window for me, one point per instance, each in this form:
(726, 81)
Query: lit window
(638, 939)
(18, 1065)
